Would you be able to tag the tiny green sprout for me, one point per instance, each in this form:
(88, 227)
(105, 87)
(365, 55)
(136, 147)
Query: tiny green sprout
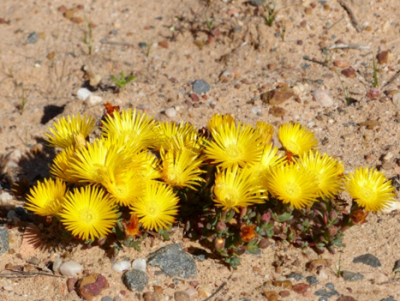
(88, 38)
(209, 22)
(122, 81)
(375, 74)
(271, 13)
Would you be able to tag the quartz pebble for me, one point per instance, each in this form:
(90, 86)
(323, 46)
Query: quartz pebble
(5, 198)
(121, 266)
(57, 264)
(70, 268)
(83, 94)
(323, 97)
(170, 112)
(93, 100)
(139, 264)
(256, 110)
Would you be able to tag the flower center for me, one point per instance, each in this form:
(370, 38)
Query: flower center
(233, 152)
(88, 216)
(292, 190)
(152, 209)
(99, 173)
(367, 194)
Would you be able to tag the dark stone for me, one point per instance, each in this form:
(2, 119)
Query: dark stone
(330, 286)
(257, 2)
(173, 261)
(4, 240)
(295, 276)
(200, 86)
(312, 280)
(396, 268)
(351, 276)
(143, 45)
(368, 259)
(390, 298)
(135, 280)
(33, 38)
(199, 254)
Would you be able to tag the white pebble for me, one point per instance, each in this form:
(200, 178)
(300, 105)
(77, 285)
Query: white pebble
(396, 99)
(121, 266)
(139, 264)
(83, 94)
(94, 100)
(57, 264)
(70, 268)
(170, 112)
(256, 110)
(323, 97)
(5, 198)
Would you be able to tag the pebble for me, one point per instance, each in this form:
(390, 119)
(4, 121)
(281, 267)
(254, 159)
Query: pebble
(181, 296)
(139, 264)
(57, 264)
(349, 137)
(170, 112)
(295, 276)
(351, 276)
(300, 288)
(91, 286)
(323, 97)
(32, 38)
(284, 294)
(390, 298)
(70, 268)
(368, 259)
(143, 45)
(83, 94)
(174, 261)
(106, 298)
(256, 110)
(121, 266)
(341, 64)
(384, 57)
(349, 72)
(135, 280)
(271, 295)
(5, 198)
(396, 268)
(312, 280)
(278, 96)
(4, 240)
(93, 100)
(373, 93)
(396, 99)
(257, 2)
(163, 44)
(200, 86)
(151, 296)
(95, 80)
(192, 293)
(71, 284)
(204, 291)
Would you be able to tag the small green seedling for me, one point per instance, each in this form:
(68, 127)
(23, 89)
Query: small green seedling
(88, 38)
(209, 22)
(271, 13)
(375, 74)
(122, 81)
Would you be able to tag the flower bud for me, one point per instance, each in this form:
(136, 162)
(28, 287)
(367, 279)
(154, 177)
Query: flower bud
(243, 212)
(333, 215)
(263, 243)
(219, 243)
(332, 231)
(266, 217)
(221, 227)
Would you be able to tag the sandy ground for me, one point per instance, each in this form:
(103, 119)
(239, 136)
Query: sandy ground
(241, 58)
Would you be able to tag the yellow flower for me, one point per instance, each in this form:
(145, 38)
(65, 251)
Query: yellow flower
(177, 136)
(325, 171)
(124, 187)
(46, 198)
(289, 184)
(265, 131)
(88, 213)
(218, 120)
(235, 187)
(234, 145)
(135, 129)
(269, 158)
(145, 165)
(296, 139)
(157, 207)
(71, 131)
(61, 165)
(97, 162)
(370, 189)
(181, 168)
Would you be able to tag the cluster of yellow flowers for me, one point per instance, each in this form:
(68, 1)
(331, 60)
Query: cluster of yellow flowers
(141, 163)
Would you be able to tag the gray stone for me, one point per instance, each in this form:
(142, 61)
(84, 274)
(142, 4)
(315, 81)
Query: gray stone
(351, 276)
(368, 259)
(257, 2)
(390, 298)
(295, 276)
(200, 86)
(143, 45)
(106, 298)
(173, 261)
(33, 38)
(4, 240)
(312, 280)
(135, 280)
(330, 285)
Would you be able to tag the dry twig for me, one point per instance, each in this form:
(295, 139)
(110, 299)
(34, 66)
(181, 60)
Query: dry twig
(352, 17)
(219, 288)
